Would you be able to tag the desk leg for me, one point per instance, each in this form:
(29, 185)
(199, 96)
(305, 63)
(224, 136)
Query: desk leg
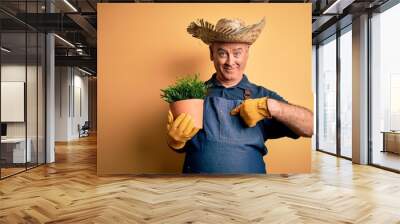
(384, 142)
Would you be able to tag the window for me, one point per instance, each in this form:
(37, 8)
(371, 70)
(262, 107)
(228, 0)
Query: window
(346, 93)
(385, 88)
(327, 95)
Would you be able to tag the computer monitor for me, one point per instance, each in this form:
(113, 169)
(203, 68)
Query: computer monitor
(3, 129)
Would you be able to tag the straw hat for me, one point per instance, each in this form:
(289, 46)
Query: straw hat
(226, 30)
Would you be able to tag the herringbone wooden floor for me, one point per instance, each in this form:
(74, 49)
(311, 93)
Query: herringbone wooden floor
(70, 192)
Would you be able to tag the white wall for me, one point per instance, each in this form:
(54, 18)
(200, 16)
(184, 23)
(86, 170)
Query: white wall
(16, 73)
(62, 78)
(71, 94)
(80, 112)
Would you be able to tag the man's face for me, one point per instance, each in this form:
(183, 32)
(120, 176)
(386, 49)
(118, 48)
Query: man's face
(229, 60)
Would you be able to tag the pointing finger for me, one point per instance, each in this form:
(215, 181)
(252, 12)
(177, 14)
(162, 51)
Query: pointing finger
(236, 110)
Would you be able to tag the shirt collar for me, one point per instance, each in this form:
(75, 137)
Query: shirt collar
(243, 84)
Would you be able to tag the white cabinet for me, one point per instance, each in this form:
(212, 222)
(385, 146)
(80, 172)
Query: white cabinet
(16, 147)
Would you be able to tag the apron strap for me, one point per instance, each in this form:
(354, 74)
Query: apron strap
(247, 94)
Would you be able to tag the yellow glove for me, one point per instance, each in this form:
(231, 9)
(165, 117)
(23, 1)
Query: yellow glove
(253, 110)
(180, 131)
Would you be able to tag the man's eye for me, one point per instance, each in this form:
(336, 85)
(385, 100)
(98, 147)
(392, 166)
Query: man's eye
(236, 54)
(222, 54)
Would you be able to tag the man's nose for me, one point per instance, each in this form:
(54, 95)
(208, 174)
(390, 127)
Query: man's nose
(229, 60)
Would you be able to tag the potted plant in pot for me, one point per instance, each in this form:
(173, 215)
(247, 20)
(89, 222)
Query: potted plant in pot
(187, 96)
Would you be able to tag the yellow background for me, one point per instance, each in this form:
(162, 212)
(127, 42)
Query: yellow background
(143, 47)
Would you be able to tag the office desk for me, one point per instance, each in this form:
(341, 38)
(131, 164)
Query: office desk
(391, 141)
(13, 150)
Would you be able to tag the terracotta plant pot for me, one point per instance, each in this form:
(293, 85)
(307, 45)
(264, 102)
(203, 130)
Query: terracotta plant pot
(194, 107)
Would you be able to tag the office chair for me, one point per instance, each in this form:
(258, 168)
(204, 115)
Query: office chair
(84, 130)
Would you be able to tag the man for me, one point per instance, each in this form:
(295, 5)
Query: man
(238, 116)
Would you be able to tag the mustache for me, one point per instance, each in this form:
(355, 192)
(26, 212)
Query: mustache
(228, 67)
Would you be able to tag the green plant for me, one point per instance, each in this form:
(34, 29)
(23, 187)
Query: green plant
(185, 88)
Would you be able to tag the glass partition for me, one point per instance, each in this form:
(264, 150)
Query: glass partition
(22, 88)
(13, 95)
(32, 95)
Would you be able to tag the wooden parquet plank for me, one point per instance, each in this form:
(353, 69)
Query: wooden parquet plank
(69, 191)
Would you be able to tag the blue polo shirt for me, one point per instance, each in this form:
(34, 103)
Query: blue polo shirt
(271, 128)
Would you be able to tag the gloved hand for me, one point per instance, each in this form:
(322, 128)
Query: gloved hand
(253, 110)
(180, 130)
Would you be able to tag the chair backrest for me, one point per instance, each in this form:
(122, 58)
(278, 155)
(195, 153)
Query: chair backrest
(86, 125)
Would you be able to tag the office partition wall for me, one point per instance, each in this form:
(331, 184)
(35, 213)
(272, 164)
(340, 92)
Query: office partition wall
(22, 87)
(15, 152)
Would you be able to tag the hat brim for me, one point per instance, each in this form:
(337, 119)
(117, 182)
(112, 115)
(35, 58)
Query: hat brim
(206, 31)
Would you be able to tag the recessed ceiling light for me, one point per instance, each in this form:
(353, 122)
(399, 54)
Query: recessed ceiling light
(84, 71)
(337, 7)
(64, 40)
(5, 50)
(71, 6)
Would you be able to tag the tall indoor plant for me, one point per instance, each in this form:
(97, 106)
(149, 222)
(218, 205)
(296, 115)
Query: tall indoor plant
(187, 96)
